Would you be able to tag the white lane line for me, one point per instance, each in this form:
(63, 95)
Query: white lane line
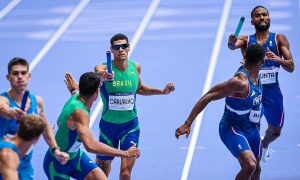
(208, 81)
(187, 147)
(78, 9)
(147, 17)
(137, 36)
(8, 8)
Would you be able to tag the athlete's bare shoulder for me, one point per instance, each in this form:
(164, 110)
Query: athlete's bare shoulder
(138, 67)
(282, 40)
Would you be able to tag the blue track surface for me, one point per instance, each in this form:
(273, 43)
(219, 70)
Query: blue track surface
(176, 46)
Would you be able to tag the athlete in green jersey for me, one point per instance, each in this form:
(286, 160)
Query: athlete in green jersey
(73, 130)
(119, 122)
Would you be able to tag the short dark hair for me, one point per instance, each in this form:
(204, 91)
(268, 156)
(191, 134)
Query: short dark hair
(117, 37)
(89, 82)
(31, 127)
(254, 54)
(256, 7)
(17, 61)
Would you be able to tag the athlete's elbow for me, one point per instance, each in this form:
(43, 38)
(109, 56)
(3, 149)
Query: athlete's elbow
(291, 69)
(89, 147)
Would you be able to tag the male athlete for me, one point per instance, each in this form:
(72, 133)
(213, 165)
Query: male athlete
(278, 54)
(13, 149)
(72, 130)
(243, 102)
(119, 122)
(10, 112)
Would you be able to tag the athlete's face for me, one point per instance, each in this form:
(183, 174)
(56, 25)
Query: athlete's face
(19, 77)
(261, 19)
(120, 49)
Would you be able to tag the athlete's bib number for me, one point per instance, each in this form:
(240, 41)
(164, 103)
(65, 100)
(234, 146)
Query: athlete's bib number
(268, 76)
(254, 115)
(121, 101)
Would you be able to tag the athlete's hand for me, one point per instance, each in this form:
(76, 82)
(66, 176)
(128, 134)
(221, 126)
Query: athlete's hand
(133, 151)
(106, 76)
(62, 157)
(183, 129)
(232, 40)
(17, 114)
(271, 56)
(70, 82)
(169, 88)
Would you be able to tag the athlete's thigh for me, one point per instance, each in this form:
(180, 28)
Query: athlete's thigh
(96, 173)
(254, 140)
(54, 170)
(108, 132)
(131, 138)
(273, 107)
(129, 135)
(83, 167)
(235, 140)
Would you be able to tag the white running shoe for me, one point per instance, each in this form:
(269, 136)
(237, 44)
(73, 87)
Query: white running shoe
(266, 153)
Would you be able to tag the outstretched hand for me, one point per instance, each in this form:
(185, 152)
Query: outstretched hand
(168, 88)
(183, 129)
(70, 82)
(133, 151)
(62, 157)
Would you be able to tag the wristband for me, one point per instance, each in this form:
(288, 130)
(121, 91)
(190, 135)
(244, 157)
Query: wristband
(72, 90)
(55, 148)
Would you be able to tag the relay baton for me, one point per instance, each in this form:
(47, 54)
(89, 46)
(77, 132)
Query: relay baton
(24, 100)
(239, 27)
(108, 60)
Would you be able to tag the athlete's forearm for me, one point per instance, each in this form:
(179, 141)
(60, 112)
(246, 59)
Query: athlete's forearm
(198, 108)
(103, 149)
(146, 90)
(7, 113)
(49, 136)
(287, 65)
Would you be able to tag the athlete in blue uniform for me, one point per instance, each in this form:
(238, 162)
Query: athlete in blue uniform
(238, 127)
(278, 54)
(10, 112)
(13, 149)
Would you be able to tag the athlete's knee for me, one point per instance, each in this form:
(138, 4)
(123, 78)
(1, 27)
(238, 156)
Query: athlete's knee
(276, 132)
(125, 174)
(105, 165)
(126, 169)
(258, 169)
(249, 165)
